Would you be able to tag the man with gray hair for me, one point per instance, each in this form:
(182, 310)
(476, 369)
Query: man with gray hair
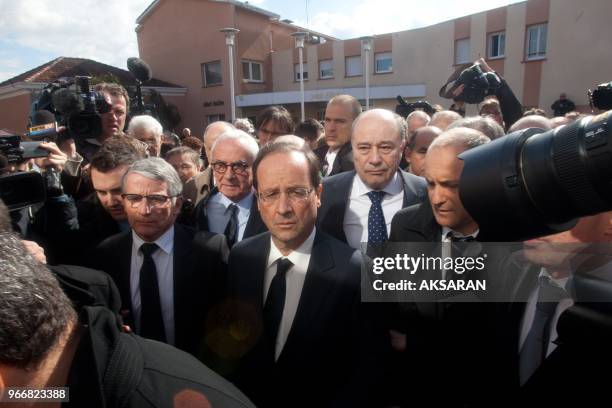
(148, 130)
(167, 275)
(357, 206)
(230, 208)
(485, 124)
(416, 120)
(199, 187)
(443, 119)
(442, 217)
(56, 332)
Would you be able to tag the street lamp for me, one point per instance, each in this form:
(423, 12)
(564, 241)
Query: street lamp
(230, 36)
(300, 36)
(366, 43)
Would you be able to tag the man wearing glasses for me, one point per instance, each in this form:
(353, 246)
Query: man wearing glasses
(230, 207)
(166, 274)
(290, 355)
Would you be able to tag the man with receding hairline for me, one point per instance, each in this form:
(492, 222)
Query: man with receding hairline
(337, 157)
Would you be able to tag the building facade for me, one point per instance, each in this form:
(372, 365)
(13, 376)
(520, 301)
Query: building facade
(541, 47)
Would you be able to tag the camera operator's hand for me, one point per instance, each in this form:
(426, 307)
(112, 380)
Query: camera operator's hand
(56, 159)
(35, 250)
(68, 145)
(483, 65)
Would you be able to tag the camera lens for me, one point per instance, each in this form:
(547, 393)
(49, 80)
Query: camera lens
(533, 183)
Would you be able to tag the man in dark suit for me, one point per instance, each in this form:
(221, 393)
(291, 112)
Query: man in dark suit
(167, 276)
(299, 323)
(230, 208)
(337, 155)
(358, 206)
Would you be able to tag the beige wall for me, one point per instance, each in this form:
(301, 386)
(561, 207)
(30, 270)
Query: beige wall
(579, 52)
(15, 112)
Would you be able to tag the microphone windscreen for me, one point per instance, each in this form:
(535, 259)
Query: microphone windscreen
(140, 69)
(66, 101)
(42, 117)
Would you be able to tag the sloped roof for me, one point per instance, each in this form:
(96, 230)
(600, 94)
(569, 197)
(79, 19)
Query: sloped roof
(70, 67)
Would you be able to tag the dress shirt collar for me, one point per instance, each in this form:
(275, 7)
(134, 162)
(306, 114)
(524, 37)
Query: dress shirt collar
(165, 242)
(244, 204)
(392, 188)
(300, 256)
(561, 282)
(446, 230)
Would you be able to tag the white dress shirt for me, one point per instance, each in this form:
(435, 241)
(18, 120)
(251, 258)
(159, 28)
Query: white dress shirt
(164, 265)
(356, 216)
(295, 282)
(330, 158)
(446, 248)
(530, 310)
(219, 214)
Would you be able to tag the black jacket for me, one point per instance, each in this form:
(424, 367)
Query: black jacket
(344, 159)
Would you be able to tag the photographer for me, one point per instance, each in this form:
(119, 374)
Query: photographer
(112, 122)
(57, 214)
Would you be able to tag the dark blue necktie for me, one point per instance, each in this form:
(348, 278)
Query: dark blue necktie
(151, 319)
(377, 227)
(231, 229)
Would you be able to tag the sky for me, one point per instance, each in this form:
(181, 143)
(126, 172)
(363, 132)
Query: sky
(33, 32)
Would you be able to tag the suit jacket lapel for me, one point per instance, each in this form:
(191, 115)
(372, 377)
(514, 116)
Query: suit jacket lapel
(202, 212)
(123, 267)
(316, 288)
(255, 224)
(411, 195)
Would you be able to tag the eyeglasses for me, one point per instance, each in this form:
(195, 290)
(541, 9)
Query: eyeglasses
(239, 167)
(154, 200)
(295, 195)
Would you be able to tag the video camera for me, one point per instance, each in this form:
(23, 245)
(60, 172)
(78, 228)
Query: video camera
(477, 84)
(532, 183)
(141, 72)
(79, 109)
(601, 98)
(405, 108)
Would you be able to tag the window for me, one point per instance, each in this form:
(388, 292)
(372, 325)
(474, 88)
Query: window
(326, 69)
(383, 62)
(251, 71)
(462, 51)
(211, 73)
(297, 72)
(353, 66)
(215, 118)
(497, 45)
(536, 41)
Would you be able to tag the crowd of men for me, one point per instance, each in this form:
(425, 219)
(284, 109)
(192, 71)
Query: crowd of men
(242, 248)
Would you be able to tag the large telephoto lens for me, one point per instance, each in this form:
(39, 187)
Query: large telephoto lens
(533, 183)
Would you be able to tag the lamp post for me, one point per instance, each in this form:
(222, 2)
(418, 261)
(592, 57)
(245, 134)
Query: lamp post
(230, 36)
(300, 37)
(366, 43)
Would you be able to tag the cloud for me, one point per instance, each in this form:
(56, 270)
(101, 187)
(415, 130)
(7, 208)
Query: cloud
(102, 31)
(368, 17)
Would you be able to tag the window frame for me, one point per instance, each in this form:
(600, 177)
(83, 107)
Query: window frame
(346, 74)
(376, 59)
(491, 36)
(205, 83)
(539, 55)
(296, 72)
(250, 78)
(467, 41)
(331, 62)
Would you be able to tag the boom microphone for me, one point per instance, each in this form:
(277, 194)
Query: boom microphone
(140, 69)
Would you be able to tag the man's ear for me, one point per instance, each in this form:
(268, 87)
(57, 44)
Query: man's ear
(319, 191)
(178, 204)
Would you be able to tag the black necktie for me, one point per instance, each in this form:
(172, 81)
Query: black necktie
(377, 227)
(151, 319)
(231, 229)
(536, 343)
(275, 302)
